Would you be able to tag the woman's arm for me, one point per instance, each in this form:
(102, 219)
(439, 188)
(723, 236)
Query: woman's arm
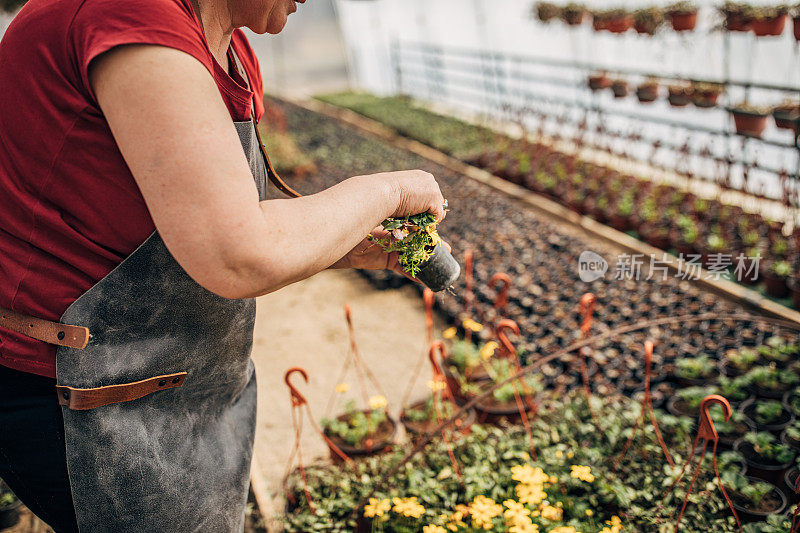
(178, 140)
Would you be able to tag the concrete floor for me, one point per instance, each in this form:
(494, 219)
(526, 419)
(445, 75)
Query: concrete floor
(303, 325)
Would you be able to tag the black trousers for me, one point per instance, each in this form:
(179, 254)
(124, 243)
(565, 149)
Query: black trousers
(32, 454)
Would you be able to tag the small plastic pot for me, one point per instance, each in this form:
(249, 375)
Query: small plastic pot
(748, 515)
(789, 479)
(683, 21)
(748, 410)
(765, 470)
(440, 270)
(771, 27)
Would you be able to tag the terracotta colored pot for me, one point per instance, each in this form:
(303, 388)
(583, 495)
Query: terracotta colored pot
(381, 444)
(748, 123)
(647, 94)
(796, 21)
(599, 24)
(620, 90)
(598, 82)
(705, 99)
(737, 23)
(620, 24)
(679, 99)
(769, 27)
(683, 21)
(786, 118)
(462, 425)
(574, 19)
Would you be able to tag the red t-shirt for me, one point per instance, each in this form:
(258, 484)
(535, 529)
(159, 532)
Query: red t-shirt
(70, 210)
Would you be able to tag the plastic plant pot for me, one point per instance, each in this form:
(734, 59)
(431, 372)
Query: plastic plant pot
(789, 479)
(440, 270)
(748, 410)
(683, 21)
(757, 467)
(750, 123)
(769, 27)
(747, 515)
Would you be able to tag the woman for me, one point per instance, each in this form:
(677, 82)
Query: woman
(133, 235)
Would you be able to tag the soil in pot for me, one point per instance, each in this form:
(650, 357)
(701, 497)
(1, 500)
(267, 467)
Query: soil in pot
(419, 418)
(750, 122)
(377, 442)
(767, 415)
(773, 502)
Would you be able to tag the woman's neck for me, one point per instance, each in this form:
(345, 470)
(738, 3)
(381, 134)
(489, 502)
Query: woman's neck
(216, 22)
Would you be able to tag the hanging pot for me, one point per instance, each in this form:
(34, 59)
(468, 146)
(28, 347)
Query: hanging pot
(769, 27)
(440, 270)
(683, 21)
(751, 123)
(378, 443)
(415, 429)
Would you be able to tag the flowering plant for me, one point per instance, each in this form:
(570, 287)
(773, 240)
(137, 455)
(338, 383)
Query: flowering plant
(414, 237)
(356, 425)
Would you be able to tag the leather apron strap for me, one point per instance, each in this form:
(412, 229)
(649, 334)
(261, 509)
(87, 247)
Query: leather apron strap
(272, 175)
(45, 330)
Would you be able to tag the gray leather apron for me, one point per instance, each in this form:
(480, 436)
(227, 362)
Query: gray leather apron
(176, 460)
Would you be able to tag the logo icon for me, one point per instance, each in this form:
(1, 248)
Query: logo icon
(591, 266)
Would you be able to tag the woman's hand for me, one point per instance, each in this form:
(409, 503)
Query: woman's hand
(416, 191)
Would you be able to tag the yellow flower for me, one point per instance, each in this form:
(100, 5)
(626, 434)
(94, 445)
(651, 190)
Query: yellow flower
(483, 510)
(471, 325)
(436, 385)
(553, 479)
(589, 512)
(430, 229)
(524, 526)
(615, 521)
(408, 507)
(488, 349)
(584, 473)
(433, 529)
(376, 507)
(559, 454)
(342, 387)
(530, 494)
(570, 454)
(564, 529)
(554, 514)
(528, 475)
(515, 513)
(449, 333)
(377, 402)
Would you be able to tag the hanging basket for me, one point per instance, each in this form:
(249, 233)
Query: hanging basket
(374, 444)
(462, 425)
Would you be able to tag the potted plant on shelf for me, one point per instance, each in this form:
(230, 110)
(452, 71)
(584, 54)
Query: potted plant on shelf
(680, 94)
(769, 20)
(420, 250)
(599, 81)
(776, 277)
(771, 382)
(647, 91)
(705, 94)
(682, 16)
(767, 458)
(749, 120)
(737, 16)
(647, 20)
(546, 11)
(767, 415)
(619, 88)
(9, 507)
(787, 116)
(573, 14)
(753, 499)
(361, 432)
(615, 20)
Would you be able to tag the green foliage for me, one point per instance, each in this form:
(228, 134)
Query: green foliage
(772, 378)
(768, 412)
(743, 359)
(753, 491)
(464, 354)
(6, 497)
(357, 425)
(768, 447)
(448, 134)
(413, 238)
(693, 396)
(695, 367)
(430, 411)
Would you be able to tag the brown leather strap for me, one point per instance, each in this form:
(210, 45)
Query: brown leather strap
(81, 399)
(44, 330)
(271, 174)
